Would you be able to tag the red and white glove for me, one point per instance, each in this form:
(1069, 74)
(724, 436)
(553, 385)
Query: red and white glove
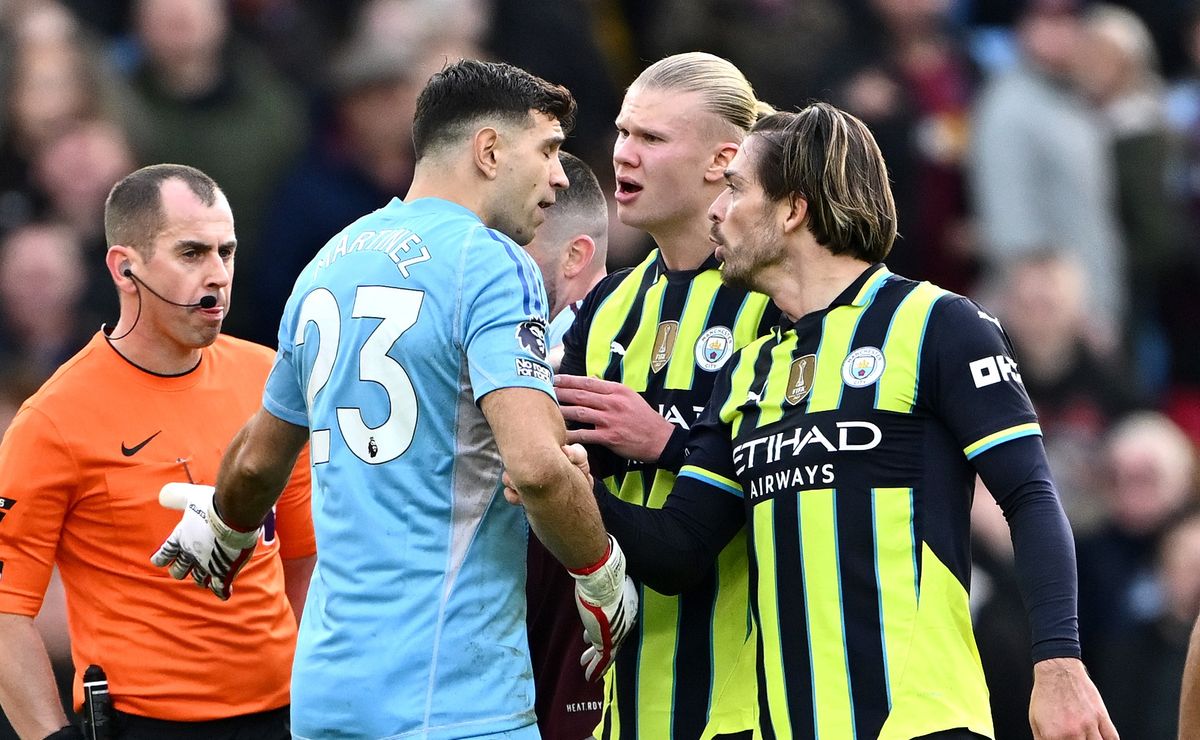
(202, 543)
(607, 601)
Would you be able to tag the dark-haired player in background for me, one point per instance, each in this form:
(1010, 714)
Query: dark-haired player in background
(569, 249)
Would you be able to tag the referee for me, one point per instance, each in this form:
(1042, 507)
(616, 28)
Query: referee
(845, 443)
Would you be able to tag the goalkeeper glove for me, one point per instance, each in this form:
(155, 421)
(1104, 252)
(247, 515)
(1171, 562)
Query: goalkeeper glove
(202, 543)
(607, 602)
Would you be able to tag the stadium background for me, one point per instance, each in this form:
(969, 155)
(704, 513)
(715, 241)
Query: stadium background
(1045, 155)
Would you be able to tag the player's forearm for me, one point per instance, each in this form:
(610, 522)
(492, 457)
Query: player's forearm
(255, 469)
(27, 691)
(563, 514)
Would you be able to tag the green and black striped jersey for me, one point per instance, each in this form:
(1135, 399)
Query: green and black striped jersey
(687, 672)
(849, 436)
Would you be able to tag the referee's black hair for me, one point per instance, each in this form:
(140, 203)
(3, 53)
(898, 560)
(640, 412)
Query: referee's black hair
(470, 89)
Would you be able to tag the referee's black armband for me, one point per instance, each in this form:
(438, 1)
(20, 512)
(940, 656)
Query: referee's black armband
(68, 732)
(673, 453)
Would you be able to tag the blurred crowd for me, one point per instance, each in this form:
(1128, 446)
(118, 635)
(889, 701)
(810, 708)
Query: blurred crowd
(1045, 155)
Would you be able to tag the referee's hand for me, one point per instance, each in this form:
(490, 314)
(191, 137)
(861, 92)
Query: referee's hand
(202, 543)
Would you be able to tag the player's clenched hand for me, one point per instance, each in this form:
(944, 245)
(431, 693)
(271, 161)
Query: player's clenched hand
(607, 602)
(621, 420)
(202, 543)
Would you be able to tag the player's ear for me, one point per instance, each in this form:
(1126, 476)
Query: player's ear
(722, 156)
(485, 145)
(579, 255)
(795, 207)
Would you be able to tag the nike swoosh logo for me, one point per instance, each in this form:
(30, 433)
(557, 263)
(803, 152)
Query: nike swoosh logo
(131, 451)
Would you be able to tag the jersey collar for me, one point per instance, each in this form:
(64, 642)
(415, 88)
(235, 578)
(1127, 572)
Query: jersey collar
(677, 276)
(859, 293)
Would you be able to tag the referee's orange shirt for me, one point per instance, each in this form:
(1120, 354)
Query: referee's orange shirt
(80, 470)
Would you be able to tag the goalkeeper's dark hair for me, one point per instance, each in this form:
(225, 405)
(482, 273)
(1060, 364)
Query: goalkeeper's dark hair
(470, 92)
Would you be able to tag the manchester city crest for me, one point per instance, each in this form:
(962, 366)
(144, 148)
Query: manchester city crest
(862, 367)
(714, 348)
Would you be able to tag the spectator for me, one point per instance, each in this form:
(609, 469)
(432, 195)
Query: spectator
(781, 46)
(912, 84)
(998, 616)
(555, 39)
(353, 167)
(41, 287)
(53, 82)
(432, 33)
(1077, 391)
(1183, 115)
(1149, 468)
(199, 97)
(1041, 171)
(1181, 299)
(1140, 673)
(1117, 71)
(75, 171)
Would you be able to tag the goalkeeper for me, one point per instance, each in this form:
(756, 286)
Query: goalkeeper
(412, 352)
(153, 399)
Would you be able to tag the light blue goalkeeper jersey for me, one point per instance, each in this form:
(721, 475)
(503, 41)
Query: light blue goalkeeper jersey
(415, 621)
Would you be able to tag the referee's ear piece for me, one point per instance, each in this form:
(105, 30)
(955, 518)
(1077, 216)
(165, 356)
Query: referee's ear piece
(125, 270)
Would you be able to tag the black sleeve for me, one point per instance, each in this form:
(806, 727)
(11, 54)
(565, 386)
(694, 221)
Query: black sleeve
(673, 548)
(1018, 476)
(975, 384)
(675, 451)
